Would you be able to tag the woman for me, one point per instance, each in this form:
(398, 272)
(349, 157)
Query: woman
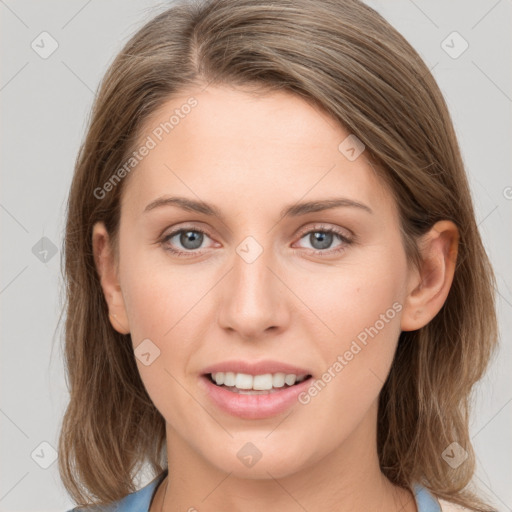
(278, 297)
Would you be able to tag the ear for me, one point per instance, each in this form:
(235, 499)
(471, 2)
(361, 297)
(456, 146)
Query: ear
(428, 287)
(107, 271)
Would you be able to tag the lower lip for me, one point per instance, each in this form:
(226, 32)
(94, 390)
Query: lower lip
(253, 407)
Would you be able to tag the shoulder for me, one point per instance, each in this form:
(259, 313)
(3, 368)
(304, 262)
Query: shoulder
(448, 506)
(114, 507)
(135, 502)
(426, 501)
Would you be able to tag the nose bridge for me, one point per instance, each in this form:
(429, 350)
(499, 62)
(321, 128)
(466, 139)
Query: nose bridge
(252, 301)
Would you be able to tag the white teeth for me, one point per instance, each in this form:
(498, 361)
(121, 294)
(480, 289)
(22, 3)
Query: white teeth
(243, 381)
(290, 379)
(229, 378)
(278, 380)
(263, 382)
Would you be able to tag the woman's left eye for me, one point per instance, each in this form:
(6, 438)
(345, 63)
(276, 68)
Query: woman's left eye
(322, 238)
(191, 240)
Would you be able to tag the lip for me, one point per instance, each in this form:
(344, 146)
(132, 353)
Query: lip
(256, 368)
(253, 407)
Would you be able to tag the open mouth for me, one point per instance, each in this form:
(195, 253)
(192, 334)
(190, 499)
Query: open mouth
(255, 384)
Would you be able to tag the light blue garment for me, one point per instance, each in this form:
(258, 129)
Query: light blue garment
(425, 501)
(139, 501)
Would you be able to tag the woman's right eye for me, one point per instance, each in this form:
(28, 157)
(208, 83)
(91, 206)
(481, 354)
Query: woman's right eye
(189, 239)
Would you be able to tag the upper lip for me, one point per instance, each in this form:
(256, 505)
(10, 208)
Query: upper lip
(256, 368)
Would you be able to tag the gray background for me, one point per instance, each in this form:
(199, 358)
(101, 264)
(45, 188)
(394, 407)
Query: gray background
(44, 106)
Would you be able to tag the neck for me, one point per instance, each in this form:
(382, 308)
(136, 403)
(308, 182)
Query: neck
(348, 479)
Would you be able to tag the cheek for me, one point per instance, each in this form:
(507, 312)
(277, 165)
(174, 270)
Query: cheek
(162, 326)
(355, 298)
(361, 307)
(157, 293)
(164, 304)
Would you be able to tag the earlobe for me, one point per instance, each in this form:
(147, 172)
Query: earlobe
(429, 287)
(117, 325)
(107, 272)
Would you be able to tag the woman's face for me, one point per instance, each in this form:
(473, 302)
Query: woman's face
(252, 286)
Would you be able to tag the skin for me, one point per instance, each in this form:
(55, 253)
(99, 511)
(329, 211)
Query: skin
(251, 156)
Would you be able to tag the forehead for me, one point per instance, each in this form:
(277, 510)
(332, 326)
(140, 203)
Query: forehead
(238, 148)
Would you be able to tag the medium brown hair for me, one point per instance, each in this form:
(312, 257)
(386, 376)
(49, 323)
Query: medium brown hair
(349, 61)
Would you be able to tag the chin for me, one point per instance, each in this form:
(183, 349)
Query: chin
(259, 460)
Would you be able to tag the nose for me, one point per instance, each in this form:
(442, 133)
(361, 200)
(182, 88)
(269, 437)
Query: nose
(253, 300)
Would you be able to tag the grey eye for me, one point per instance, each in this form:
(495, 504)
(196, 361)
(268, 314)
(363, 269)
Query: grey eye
(190, 239)
(320, 239)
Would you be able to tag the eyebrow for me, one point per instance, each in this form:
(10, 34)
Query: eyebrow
(294, 210)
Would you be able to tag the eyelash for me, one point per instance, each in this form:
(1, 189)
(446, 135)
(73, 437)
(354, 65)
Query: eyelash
(317, 229)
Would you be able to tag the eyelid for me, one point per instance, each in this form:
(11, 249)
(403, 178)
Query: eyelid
(303, 230)
(186, 227)
(343, 232)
